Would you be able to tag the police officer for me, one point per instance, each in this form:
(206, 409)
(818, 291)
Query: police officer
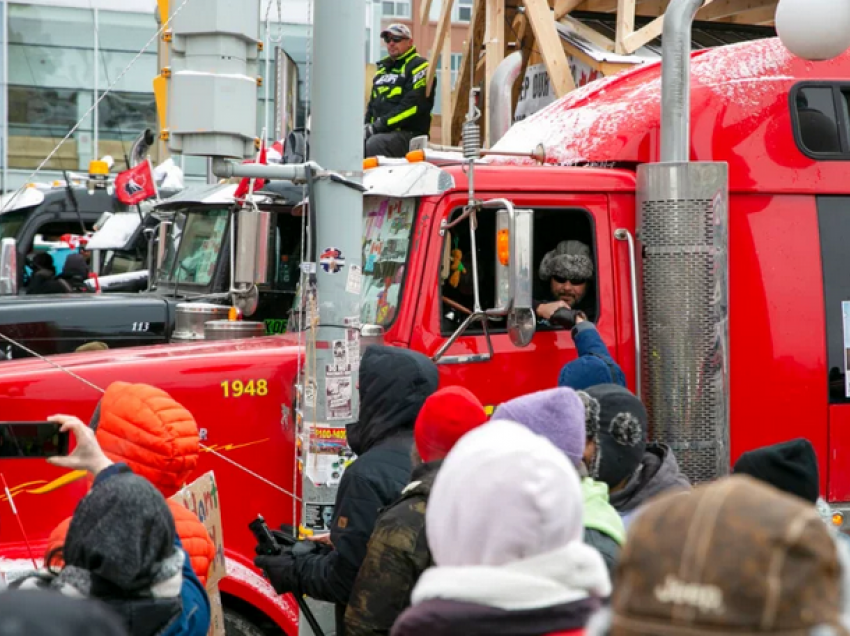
(398, 108)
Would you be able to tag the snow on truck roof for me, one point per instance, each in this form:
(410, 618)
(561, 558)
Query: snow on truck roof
(740, 113)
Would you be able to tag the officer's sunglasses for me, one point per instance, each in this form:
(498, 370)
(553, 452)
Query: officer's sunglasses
(395, 39)
(573, 281)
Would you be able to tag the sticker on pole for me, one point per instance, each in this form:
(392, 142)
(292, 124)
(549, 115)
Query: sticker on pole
(332, 260)
(354, 282)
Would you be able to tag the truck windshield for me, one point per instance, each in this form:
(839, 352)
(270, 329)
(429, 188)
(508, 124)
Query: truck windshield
(387, 228)
(11, 222)
(195, 241)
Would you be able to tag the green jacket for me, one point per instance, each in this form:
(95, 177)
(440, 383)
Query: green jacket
(396, 557)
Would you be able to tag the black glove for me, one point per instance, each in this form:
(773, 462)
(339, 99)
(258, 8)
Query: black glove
(284, 542)
(280, 571)
(368, 131)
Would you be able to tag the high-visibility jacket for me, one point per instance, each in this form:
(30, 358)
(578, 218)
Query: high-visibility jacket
(398, 100)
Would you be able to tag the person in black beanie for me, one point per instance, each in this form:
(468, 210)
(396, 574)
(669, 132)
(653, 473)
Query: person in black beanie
(789, 466)
(617, 452)
(122, 549)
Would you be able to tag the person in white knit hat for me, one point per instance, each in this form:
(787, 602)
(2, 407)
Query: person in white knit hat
(505, 525)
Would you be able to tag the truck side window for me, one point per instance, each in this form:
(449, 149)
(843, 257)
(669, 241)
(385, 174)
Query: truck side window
(834, 226)
(820, 120)
(551, 226)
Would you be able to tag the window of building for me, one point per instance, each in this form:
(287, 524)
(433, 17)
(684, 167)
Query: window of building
(396, 8)
(551, 226)
(462, 11)
(821, 119)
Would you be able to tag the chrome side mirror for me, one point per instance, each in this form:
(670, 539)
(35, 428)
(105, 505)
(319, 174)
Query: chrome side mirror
(252, 247)
(8, 267)
(521, 319)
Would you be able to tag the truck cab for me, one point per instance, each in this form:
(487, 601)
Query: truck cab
(196, 225)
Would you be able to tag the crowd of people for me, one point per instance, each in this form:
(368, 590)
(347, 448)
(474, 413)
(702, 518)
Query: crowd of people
(554, 516)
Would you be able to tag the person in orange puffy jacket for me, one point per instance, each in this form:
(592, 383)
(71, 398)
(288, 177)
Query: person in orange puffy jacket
(145, 428)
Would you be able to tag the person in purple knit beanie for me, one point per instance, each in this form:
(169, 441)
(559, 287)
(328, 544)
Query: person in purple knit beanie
(556, 414)
(559, 416)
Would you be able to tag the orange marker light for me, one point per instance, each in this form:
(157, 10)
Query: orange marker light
(370, 162)
(503, 247)
(234, 314)
(837, 519)
(415, 156)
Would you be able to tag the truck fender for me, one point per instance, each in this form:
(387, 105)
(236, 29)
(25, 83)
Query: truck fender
(245, 583)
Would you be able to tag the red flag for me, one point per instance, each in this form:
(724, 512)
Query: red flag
(136, 184)
(244, 185)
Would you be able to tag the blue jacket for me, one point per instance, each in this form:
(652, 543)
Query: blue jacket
(594, 364)
(195, 617)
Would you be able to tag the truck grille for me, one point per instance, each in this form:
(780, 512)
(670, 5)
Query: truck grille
(682, 227)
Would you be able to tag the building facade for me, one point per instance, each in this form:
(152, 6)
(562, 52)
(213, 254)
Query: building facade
(59, 57)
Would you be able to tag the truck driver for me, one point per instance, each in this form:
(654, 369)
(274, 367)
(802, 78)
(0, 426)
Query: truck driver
(568, 269)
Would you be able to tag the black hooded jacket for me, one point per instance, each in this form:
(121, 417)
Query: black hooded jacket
(75, 272)
(394, 383)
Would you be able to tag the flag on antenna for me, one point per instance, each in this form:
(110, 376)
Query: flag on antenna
(245, 185)
(136, 184)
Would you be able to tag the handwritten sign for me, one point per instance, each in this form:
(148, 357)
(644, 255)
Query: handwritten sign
(201, 497)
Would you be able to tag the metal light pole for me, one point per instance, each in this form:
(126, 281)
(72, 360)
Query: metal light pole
(336, 143)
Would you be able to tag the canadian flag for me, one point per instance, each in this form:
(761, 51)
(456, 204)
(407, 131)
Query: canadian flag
(244, 185)
(136, 184)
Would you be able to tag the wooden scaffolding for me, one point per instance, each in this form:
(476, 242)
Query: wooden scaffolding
(499, 27)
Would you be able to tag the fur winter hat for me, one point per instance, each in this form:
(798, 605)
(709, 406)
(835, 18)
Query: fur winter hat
(570, 259)
(556, 414)
(616, 419)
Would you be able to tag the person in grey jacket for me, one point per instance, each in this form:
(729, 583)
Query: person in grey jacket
(618, 454)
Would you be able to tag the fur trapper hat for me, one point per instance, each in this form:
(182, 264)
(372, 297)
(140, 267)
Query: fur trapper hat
(570, 259)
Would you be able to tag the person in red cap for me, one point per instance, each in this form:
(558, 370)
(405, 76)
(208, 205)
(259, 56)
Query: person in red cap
(398, 551)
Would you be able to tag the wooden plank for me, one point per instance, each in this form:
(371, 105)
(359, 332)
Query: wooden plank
(425, 12)
(549, 44)
(588, 33)
(472, 46)
(652, 8)
(443, 29)
(563, 7)
(625, 24)
(764, 16)
(446, 92)
(637, 39)
(598, 6)
(720, 9)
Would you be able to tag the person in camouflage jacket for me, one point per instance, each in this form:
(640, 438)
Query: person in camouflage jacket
(398, 550)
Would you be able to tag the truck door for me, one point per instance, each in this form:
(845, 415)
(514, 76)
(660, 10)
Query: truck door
(447, 296)
(834, 227)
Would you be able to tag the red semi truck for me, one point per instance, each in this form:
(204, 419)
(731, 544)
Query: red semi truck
(783, 127)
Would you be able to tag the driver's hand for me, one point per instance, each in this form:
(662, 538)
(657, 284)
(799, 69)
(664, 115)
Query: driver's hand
(87, 454)
(544, 312)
